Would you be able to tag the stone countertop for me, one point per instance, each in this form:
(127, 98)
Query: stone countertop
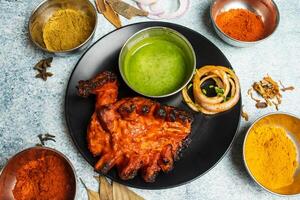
(30, 106)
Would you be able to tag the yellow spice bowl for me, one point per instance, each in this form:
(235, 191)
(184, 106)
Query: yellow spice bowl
(41, 14)
(291, 124)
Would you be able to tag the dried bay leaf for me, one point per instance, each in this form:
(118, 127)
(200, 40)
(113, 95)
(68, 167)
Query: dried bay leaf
(100, 6)
(108, 12)
(92, 195)
(106, 190)
(121, 192)
(97, 179)
(125, 9)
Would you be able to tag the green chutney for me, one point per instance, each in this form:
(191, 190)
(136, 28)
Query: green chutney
(155, 66)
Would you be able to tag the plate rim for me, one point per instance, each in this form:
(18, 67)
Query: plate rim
(67, 120)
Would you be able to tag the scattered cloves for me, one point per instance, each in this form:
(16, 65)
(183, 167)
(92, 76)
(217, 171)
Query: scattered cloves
(45, 137)
(42, 66)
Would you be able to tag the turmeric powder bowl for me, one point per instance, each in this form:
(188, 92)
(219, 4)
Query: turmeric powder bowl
(63, 27)
(243, 23)
(38, 172)
(271, 153)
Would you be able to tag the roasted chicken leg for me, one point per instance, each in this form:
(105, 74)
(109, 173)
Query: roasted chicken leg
(133, 134)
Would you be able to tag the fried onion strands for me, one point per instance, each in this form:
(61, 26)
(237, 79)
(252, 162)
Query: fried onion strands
(225, 79)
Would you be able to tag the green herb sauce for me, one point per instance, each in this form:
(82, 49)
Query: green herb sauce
(155, 66)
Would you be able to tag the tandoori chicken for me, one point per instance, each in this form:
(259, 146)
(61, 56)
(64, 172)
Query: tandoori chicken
(133, 134)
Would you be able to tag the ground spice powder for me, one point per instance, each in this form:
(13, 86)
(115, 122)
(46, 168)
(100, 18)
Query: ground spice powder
(46, 178)
(66, 29)
(241, 24)
(271, 156)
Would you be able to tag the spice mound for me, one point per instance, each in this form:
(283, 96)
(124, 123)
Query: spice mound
(66, 29)
(241, 24)
(271, 156)
(44, 179)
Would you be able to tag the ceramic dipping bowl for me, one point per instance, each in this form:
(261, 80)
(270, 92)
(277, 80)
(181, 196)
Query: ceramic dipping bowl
(45, 10)
(291, 124)
(267, 9)
(9, 172)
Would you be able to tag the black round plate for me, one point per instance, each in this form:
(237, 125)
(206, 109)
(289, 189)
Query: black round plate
(211, 135)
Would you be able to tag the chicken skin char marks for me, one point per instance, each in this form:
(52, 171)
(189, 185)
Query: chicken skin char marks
(133, 134)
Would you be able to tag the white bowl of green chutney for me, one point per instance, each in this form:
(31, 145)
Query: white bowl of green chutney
(157, 62)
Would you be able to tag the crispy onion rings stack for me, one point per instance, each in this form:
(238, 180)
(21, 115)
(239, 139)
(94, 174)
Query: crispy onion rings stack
(225, 79)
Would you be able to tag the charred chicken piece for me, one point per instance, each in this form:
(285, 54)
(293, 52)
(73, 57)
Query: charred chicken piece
(133, 134)
(104, 86)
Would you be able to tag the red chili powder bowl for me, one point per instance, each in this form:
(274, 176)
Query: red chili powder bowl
(243, 23)
(39, 172)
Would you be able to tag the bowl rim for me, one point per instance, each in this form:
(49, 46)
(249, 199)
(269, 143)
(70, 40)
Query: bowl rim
(63, 51)
(240, 41)
(47, 149)
(244, 156)
(188, 43)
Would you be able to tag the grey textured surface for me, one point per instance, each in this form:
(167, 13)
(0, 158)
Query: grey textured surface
(29, 106)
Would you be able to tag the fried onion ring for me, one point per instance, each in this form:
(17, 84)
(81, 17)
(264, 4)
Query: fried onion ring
(225, 79)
